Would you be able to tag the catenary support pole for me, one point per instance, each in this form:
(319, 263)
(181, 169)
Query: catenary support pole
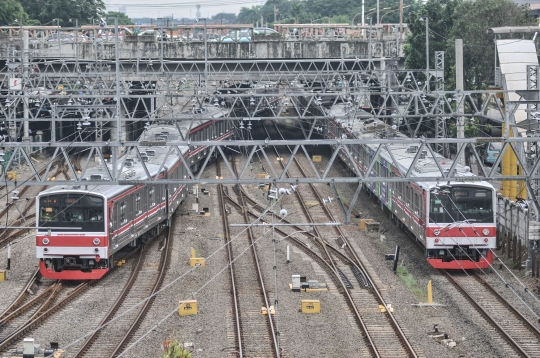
(459, 90)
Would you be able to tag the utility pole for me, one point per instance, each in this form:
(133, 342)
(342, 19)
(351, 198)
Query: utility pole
(25, 76)
(459, 90)
(427, 54)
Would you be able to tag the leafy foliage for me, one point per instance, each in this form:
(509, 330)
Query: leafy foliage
(11, 12)
(123, 19)
(468, 20)
(317, 11)
(46, 11)
(175, 349)
(224, 18)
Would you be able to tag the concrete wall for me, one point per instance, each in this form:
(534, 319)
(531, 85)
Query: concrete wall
(216, 50)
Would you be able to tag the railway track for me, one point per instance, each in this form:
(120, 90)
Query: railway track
(384, 337)
(117, 328)
(521, 335)
(249, 281)
(238, 343)
(37, 318)
(22, 295)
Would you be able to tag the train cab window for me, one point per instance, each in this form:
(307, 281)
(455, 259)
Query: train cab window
(462, 203)
(72, 210)
(138, 204)
(152, 196)
(123, 218)
(49, 208)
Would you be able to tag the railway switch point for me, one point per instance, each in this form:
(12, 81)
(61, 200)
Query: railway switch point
(2, 275)
(187, 308)
(363, 223)
(265, 311)
(311, 306)
(196, 261)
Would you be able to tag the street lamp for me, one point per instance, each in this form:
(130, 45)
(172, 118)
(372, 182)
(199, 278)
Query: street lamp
(426, 20)
(360, 13)
(392, 11)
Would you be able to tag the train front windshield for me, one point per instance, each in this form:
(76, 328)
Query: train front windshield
(72, 211)
(461, 203)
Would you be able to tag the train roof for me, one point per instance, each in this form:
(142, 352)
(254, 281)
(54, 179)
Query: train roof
(404, 154)
(132, 170)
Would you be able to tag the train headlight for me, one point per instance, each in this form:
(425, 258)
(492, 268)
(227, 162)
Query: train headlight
(96, 241)
(436, 232)
(485, 232)
(45, 241)
(486, 239)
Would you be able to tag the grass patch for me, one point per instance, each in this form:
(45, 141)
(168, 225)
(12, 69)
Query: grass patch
(411, 283)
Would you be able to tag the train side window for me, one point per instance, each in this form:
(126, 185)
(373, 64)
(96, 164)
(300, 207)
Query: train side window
(152, 196)
(138, 209)
(123, 218)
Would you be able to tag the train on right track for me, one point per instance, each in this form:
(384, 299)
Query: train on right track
(455, 221)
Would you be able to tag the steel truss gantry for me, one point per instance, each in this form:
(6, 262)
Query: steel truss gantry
(133, 93)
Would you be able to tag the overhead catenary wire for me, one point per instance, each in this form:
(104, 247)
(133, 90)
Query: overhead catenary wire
(182, 275)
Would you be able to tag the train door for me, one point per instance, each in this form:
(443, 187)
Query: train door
(372, 185)
(384, 185)
(131, 216)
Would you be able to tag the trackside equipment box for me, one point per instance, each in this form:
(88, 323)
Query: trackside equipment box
(311, 306)
(187, 307)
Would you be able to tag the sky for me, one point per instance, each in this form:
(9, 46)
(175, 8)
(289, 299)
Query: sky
(182, 8)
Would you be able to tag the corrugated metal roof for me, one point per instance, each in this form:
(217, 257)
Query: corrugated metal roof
(514, 57)
(513, 29)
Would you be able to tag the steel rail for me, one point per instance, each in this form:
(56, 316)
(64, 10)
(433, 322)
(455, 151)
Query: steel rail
(162, 270)
(270, 320)
(35, 321)
(501, 330)
(227, 237)
(306, 249)
(356, 260)
(324, 247)
(21, 295)
(112, 311)
(501, 299)
(26, 306)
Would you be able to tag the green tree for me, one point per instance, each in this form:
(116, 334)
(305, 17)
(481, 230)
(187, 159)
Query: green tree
(249, 15)
(46, 11)
(467, 20)
(123, 19)
(472, 20)
(440, 14)
(224, 18)
(11, 12)
(297, 9)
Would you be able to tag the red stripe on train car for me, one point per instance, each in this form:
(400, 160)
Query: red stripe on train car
(95, 274)
(72, 241)
(462, 264)
(460, 231)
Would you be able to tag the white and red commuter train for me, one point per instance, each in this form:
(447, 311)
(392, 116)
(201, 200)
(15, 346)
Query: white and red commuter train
(81, 227)
(455, 221)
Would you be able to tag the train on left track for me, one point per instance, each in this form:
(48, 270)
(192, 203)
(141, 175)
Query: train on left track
(80, 228)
